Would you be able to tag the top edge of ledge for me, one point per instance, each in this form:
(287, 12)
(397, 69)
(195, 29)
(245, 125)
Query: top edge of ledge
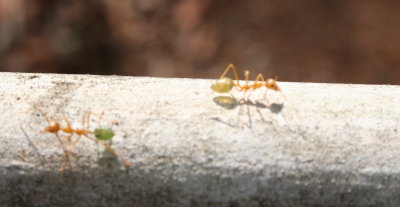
(36, 75)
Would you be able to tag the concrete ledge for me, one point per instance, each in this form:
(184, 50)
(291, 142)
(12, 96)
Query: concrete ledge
(323, 145)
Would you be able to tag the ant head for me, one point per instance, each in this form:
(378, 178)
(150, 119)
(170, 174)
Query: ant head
(53, 128)
(271, 84)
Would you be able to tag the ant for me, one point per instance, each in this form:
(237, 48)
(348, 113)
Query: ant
(225, 84)
(100, 134)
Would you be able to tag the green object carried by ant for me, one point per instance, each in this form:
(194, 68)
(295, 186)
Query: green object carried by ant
(222, 85)
(103, 133)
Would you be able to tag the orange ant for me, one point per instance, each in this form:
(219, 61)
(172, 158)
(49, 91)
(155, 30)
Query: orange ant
(224, 84)
(55, 127)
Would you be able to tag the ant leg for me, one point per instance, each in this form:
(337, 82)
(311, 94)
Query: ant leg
(86, 120)
(245, 88)
(68, 129)
(43, 114)
(244, 96)
(66, 155)
(86, 124)
(250, 124)
(249, 94)
(33, 145)
(246, 76)
(231, 66)
(257, 85)
(66, 121)
(73, 144)
(265, 98)
(240, 123)
(259, 77)
(66, 138)
(100, 116)
(48, 120)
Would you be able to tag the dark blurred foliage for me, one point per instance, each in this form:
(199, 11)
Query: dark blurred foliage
(305, 40)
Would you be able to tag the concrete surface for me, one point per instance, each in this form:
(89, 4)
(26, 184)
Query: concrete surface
(322, 145)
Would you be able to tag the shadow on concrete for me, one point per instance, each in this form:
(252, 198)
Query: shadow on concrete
(230, 102)
(270, 186)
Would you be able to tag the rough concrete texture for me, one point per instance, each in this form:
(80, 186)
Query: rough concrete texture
(316, 145)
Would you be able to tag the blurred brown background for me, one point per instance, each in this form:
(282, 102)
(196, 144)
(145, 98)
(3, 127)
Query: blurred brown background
(350, 41)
